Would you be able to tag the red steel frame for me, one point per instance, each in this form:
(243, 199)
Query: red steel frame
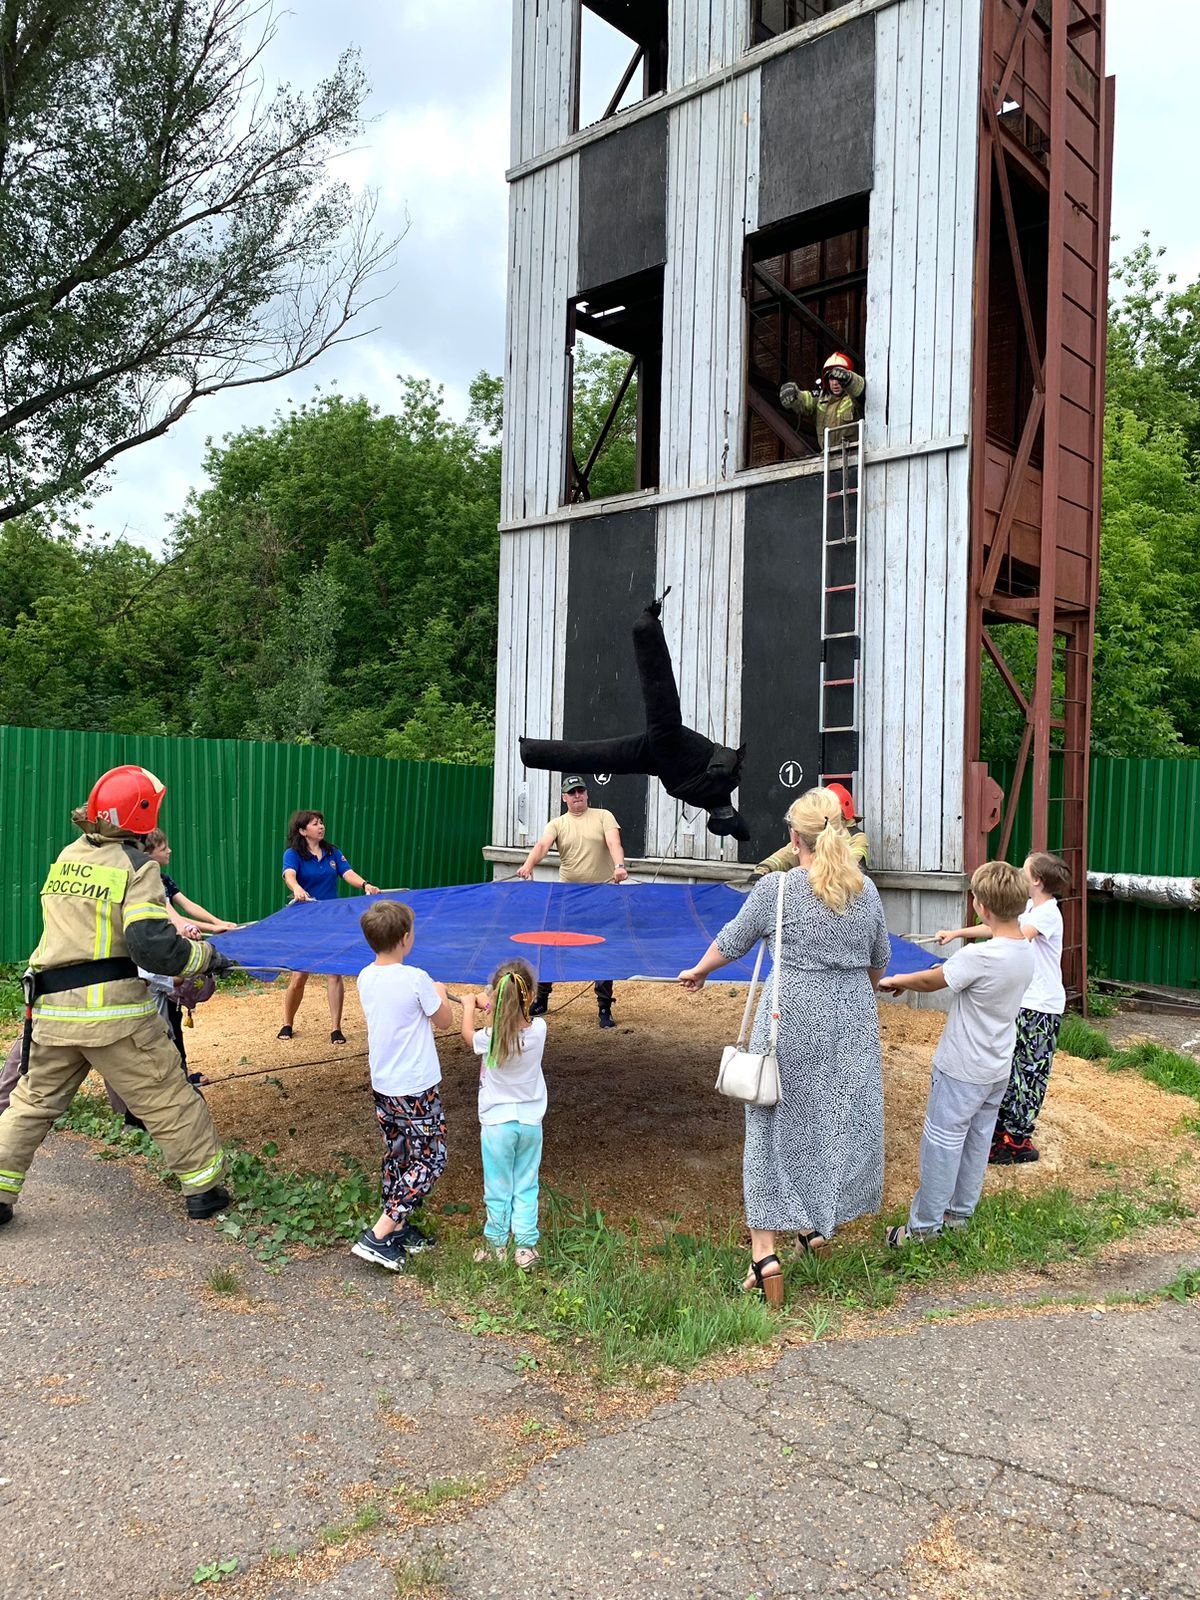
(1035, 535)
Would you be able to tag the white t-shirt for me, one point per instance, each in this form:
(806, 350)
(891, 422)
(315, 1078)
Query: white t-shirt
(515, 1090)
(1046, 992)
(988, 980)
(398, 1002)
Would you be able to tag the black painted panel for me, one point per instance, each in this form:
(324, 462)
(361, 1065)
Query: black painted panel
(612, 575)
(816, 133)
(623, 203)
(781, 656)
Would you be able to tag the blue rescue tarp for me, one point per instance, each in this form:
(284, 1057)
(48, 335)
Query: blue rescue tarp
(568, 932)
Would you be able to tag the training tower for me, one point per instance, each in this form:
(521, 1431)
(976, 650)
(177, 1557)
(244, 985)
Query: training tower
(923, 184)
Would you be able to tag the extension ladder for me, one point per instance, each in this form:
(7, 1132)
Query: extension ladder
(840, 702)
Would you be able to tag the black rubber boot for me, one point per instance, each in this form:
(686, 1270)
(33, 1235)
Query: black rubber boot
(606, 1017)
(207, 1204)
(5, 1212)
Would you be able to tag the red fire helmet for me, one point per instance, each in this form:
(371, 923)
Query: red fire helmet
(844, 798)
(127, 797)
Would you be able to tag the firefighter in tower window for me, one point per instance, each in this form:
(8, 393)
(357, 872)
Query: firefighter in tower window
(836, 400)
(104, 915)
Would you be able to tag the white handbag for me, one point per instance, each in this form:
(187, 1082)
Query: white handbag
(745, 1076)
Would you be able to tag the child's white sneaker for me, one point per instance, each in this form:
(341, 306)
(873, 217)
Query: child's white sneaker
(490, 1252)
(526, 1258)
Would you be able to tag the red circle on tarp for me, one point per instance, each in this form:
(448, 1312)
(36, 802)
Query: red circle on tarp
(556, 938)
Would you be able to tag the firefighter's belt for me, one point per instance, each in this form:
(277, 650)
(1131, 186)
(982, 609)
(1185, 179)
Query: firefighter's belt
(82, 974)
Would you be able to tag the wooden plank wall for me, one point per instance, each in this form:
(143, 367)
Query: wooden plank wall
(918, 357)
(530, 667)
(542, 248)
(545, 41)
(700, 556)
(704, 36)
(712, 204)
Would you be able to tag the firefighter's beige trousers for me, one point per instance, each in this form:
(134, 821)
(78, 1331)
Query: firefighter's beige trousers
(143, 1068)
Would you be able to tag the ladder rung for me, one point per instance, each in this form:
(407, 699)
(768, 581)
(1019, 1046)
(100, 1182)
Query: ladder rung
(840, 494)
(850, 634)
(837, 683)
(840, 588)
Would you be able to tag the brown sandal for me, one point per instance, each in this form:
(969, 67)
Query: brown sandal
(813, 1244)
(769, 1284)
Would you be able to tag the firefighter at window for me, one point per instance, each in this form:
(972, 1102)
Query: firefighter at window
(836, 400)
(104, 914)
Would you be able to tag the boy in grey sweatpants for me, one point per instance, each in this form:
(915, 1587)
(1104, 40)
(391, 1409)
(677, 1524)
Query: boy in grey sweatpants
(974, 1055)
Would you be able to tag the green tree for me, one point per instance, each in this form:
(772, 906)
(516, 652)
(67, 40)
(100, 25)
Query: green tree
(599, 373)
(168, 229)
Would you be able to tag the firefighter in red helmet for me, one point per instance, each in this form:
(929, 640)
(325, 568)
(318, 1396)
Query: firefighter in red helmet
(836, 400)
(841, 814)
(104, 915)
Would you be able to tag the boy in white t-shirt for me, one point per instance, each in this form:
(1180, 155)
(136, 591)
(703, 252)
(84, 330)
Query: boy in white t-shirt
(972, 1060)
(1041, 1013)
(512, 1103)
(402, 1006)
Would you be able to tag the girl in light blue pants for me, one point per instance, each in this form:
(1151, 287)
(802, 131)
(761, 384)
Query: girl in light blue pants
(512, 1103)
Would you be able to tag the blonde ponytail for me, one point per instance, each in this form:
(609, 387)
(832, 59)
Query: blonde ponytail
(834, 875)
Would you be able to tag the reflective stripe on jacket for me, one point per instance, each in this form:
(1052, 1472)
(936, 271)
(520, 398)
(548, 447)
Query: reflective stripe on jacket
(103, 898)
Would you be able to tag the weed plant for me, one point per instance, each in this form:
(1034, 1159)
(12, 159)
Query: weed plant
(1078, 1038)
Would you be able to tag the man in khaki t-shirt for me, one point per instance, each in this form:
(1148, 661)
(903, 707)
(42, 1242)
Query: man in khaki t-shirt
(589, 851)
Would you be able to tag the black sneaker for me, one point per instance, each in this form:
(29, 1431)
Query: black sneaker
(5, 1212)
(1010, 1151)
(207, 1204)
(413, 1240)
(387, 1252)
(606, 1018)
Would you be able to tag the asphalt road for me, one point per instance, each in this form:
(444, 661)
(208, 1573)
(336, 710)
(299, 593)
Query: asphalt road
(150, 1426)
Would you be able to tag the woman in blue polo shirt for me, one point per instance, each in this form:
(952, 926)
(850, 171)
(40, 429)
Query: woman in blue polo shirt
(312, 865)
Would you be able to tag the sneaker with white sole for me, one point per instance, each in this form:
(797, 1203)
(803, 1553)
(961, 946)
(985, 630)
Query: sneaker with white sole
(414, 1241)
(489, 1252)
(387, 1252)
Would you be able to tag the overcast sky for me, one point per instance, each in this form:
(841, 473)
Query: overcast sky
(437, 152)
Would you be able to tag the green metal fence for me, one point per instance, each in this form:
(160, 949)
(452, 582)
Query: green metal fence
(402, 824)
(1143, 816)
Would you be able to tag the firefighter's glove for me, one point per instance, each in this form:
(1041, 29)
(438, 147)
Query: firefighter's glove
(220, 963)
(789, 395)
(191, 992)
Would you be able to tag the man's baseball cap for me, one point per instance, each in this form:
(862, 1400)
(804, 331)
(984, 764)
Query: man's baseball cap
(572, 780)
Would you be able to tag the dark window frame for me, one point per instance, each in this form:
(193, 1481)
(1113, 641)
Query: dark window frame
(799, 309)
(628, 316)
(645, 24)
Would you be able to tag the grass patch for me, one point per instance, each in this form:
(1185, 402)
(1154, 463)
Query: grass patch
(1167, 1068)
(420, 1573)
(629, 1300)
(438, 1492)
(274, 1208)
(225, 1280)
(1078, 1038)
(367, 1517)
(634, 1301)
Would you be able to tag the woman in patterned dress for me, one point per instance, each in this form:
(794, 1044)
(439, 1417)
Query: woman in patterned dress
(815, 1159)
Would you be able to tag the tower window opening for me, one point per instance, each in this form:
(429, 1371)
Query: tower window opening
(806, 297)
(615, 340)
(621, 56)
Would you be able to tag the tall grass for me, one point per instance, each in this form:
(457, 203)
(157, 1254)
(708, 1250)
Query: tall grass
(1078, 1038)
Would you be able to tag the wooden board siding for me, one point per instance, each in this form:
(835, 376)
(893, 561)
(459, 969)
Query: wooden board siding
(712, 186)
(545, 41)
(918, 361)
(530, 675)
(704, 36)
(700, 556)
(542, 271)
